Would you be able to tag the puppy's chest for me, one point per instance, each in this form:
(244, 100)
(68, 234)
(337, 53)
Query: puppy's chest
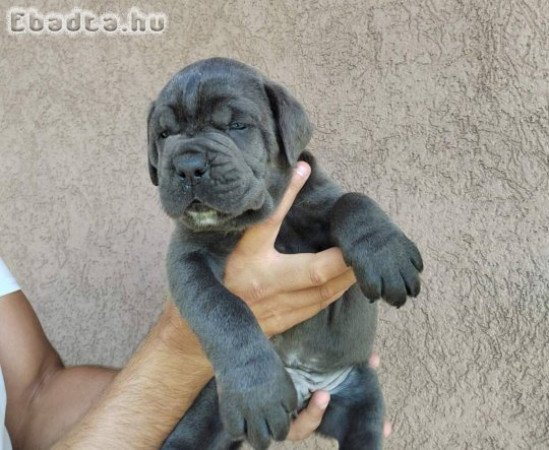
(299, 235)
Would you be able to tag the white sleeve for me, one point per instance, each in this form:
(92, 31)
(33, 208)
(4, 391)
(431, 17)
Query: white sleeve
(7, 286)
(5, 443)
(7, 282)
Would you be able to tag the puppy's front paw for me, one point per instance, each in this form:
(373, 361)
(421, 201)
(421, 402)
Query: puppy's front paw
(258, 405)
(387, 264)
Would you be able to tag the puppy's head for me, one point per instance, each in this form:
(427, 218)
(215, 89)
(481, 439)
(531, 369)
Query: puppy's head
(222, 142)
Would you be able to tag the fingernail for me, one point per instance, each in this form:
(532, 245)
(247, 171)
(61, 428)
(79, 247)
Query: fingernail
(387, 429)
(323, 403)
(302, 169)
(374, 361)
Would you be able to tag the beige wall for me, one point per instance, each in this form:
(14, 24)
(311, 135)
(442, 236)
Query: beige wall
(438, 109)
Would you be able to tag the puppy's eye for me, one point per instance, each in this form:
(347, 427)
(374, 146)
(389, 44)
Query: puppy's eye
(237, 126)
(165, 134)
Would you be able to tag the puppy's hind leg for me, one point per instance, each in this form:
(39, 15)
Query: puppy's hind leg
(355, 414)
(201, 428)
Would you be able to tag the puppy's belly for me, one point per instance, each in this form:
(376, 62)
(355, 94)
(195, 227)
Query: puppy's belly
(306, 381)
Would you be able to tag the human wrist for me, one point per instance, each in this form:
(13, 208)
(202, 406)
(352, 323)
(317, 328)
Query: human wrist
(152, 392)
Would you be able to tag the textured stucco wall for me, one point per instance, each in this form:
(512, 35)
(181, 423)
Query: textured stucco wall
(439, 109)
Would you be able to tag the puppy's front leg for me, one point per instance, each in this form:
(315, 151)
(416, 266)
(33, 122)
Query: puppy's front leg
(256, 394)
(386, 263)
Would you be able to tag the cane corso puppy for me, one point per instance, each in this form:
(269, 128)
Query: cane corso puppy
(223, 139)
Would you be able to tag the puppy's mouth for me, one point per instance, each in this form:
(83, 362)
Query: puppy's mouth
(203, 215)
(197, 207)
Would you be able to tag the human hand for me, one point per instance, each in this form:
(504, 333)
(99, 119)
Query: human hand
(284, 290)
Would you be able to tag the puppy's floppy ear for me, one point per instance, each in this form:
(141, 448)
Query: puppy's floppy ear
(153, 152)
(293, 127)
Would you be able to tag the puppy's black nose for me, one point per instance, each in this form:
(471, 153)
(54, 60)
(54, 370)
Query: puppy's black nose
(191, 166)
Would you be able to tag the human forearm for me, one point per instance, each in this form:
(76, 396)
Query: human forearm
(45, 399)
(149, 396)
(63, 398)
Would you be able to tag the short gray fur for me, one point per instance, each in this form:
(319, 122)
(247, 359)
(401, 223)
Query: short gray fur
(222, 143)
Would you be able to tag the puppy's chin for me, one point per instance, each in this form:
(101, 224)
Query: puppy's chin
(204, 219)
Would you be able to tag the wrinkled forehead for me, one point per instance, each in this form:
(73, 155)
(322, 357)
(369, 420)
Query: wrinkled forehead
(218, 95)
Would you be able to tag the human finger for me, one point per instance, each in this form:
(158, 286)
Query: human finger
(324, 294)
(279, 323)
(265, 233)
(305, 270)
(309, 419)
(374, 360)
(387, 428)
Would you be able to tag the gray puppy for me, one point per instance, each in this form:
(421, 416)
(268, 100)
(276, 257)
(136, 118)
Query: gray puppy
(222, 143)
